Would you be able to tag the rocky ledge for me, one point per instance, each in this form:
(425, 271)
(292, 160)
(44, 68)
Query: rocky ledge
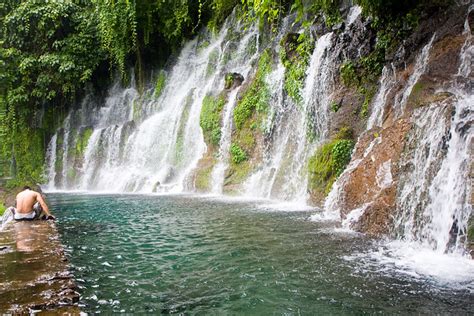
(34, 271)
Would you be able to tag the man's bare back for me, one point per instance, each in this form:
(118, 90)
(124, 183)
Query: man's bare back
(26, 199)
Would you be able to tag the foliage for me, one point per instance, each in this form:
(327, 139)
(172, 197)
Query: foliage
(348, 74)
(237, 154)
(2, 209)
(329, 161)
(390, 9)
(117, 29)
(264, 11)
(295, 56)
(335, 106)
(220, 9)
(256, 97)
(210, 119)
(48, 51)
(83, 140)
(160, 84)
(341, 155)
(393, 21)
(305, 10)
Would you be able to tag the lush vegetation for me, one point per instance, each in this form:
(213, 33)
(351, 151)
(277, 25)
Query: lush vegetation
(237, 154)
(50, 50)
(393, 21)
(210, 119)
(295, 55)
(160, 84)
(329, 161)
(257, 96)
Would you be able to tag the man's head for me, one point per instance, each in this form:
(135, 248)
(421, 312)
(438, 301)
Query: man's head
(26, 188)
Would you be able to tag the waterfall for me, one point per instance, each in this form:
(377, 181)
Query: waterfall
(387, 82)
(434, 196)
(242, 65)
(283, 175)
(153, 142)
(419, 68)
(143, 143)
(217, 175)
(51, 160)
(433, 190)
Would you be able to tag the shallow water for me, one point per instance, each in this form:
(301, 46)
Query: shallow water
(196, 255)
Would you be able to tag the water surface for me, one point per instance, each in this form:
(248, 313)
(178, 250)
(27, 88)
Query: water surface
(185, 254)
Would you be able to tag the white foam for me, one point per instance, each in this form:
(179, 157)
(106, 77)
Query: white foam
(415, 260)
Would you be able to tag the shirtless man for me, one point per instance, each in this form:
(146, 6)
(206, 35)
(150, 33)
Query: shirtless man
(30, 205)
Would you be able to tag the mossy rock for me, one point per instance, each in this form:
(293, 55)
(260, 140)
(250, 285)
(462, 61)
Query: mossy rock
(233, 80)
(210, 118)
(470, 235)
(236, 175)
(328, 162)
(160, 85)
(202, 181)
(424, 93)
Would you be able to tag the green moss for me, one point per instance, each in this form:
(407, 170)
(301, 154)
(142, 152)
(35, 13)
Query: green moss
(160, 84)
(71, 175)
(344, 133)
(136, 108)
(59, 152)
(2, 209)
(83, 140)
(210, 118)
(203, 178)
(237, 154)
(236, 174)
(256, 97)
(212, 62)
(348, 74)
(470, 231)
(335, 106)
(295, 55)
(328, 163)
(179, 149)
(368, 94)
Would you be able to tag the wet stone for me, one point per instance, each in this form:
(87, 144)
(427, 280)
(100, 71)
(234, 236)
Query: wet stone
(34, 272)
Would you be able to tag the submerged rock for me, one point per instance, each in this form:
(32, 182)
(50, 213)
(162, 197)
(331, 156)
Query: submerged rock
(34, 270)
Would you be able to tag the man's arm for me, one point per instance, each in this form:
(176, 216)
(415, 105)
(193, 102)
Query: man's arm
(40, 199)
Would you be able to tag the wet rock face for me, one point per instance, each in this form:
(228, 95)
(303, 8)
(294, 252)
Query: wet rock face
(233, 80)
(364, 186)
(34, 272)
(373, 181)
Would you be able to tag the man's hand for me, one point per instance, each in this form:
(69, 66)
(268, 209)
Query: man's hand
(50, 217)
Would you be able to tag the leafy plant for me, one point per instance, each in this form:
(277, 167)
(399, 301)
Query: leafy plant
(160, 84)
(210, 118)
(295, 55)
(329, 161)
(256, 97)
(238, 155)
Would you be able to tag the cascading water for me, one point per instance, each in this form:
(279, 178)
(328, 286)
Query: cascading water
(51, 162)
(419, 69)
(282, 175)
(433, 204)
(240, 64)
(141, 143)
(387, 82)
(434, 196)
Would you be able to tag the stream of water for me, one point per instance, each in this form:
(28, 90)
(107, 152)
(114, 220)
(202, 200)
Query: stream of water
(203, 255)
